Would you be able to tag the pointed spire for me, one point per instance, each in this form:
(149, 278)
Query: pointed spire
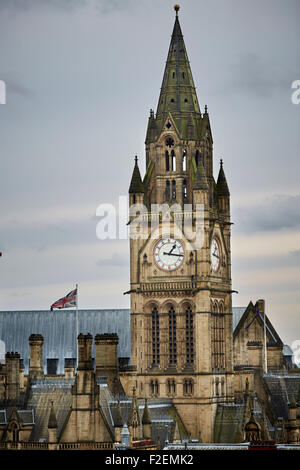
(200, 181)
(134, 417)
(146, 415)
(178, 93)
(136, 185)
(222, 186)
(52, 423)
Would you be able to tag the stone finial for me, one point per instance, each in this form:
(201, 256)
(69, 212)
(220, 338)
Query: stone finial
(176, 8)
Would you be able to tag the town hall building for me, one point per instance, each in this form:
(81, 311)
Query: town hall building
(181, 365)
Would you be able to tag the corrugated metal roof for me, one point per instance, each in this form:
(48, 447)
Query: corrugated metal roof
(59, 331)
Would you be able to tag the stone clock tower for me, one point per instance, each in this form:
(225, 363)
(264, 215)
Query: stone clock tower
(181, 309)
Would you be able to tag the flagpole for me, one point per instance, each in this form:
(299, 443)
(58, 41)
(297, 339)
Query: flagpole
(265, 341)
(77, 322)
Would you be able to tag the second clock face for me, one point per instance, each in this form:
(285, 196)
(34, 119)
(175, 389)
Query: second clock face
(168, 254)
(215, 254)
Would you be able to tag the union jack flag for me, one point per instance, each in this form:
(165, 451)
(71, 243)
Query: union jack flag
(66, 302)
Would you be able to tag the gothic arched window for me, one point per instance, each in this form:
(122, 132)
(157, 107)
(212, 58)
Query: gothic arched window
(189, 335)
(188, 387)
(172, 336)
(167, 190)
(173, 189)
(173, 157)
(184, 161)
(155, 337)
(184, 190)
(167, 161)
(217, 337)
(15, 433)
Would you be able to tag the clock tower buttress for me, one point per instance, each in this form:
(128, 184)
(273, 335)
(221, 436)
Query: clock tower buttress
(181, 309)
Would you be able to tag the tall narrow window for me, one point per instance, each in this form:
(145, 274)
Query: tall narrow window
(189, 335)
(15, 433)
(188, 387)
(167, 190)
(184, 190)
(184, 161)
(173, 189)
(167, 161)
(155, 337)
(197, 157)
(218, 340)
(173, 156)
(172, 336)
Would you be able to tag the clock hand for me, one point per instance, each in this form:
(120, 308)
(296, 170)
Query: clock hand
(174, 246)
(172, 254)
(216, 255)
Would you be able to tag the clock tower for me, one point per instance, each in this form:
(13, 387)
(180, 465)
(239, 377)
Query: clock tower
(180, 259)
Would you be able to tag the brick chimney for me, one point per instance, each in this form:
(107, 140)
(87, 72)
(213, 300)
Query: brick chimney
(85, 361)
(106, 354)
(36, 342)
(12, 376)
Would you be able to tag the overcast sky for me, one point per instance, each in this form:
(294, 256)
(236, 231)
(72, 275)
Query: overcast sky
(81, 77)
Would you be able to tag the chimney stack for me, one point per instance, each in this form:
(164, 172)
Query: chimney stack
(85, 352)
(36, 369)
(107, 355)
(12, 376)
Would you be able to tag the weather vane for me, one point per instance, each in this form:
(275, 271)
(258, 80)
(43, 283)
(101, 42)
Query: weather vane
(176, 8)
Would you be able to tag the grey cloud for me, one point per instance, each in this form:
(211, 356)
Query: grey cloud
(39, 236)
(15, 87)
(253, 74)
(115, 260)
(253, 263)
(105, 6)
(276, 213)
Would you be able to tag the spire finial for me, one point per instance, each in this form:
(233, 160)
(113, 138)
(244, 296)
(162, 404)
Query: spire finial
(221, 162)
(136, 159)
(205, 108)
(176, 8)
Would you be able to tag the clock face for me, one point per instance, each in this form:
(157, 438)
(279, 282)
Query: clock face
(215, 255)
(168, 254)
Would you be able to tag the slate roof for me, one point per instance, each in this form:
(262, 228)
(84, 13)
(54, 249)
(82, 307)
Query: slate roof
(59, 331)
(42, 393)
(163, 417)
